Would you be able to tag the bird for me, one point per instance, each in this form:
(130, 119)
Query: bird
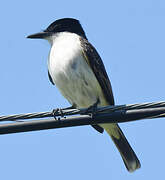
(77, 70)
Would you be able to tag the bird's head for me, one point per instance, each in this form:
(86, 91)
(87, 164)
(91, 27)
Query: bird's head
(61, 25)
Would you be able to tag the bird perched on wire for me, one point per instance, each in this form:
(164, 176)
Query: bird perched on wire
(76, 68)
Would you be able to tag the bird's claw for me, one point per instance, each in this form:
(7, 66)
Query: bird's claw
(57, 112)
(93, 108)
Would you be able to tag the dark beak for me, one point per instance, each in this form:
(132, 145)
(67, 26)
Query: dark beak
(40, 35)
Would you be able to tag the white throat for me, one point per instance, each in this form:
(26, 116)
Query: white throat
(62, 37)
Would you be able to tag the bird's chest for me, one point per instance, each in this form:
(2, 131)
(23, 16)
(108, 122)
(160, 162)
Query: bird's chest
(65, 64)
(72, 75)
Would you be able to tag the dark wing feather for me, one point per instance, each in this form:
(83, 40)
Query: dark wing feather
(93, 59)
(50, 78)
(96, 64)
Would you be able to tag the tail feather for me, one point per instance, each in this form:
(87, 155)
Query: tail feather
(128, 155)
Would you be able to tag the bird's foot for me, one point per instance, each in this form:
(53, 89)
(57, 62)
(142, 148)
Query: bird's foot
(57, 112)
(93, 108)
(60, 112)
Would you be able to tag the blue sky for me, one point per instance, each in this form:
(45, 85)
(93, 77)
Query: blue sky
(129, 36)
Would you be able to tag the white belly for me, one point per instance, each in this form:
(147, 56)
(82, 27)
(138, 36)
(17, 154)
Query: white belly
(72, 75)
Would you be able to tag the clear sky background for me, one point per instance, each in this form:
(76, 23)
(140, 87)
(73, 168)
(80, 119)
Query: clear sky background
(130, 37)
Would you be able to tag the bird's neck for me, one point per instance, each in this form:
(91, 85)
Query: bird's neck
(63, 38)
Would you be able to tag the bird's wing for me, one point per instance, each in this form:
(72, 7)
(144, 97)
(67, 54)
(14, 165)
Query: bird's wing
(50, 78)
(96, 64)
(93, 59)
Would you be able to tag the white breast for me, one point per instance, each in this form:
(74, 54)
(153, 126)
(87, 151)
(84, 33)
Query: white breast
(70, 72)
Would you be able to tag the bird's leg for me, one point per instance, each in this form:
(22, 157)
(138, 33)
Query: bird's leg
(93, 108)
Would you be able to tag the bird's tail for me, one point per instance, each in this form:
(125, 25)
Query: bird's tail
(128, 155)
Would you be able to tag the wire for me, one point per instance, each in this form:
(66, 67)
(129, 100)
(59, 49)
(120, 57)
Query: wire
(69, 111)
(118, 116)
